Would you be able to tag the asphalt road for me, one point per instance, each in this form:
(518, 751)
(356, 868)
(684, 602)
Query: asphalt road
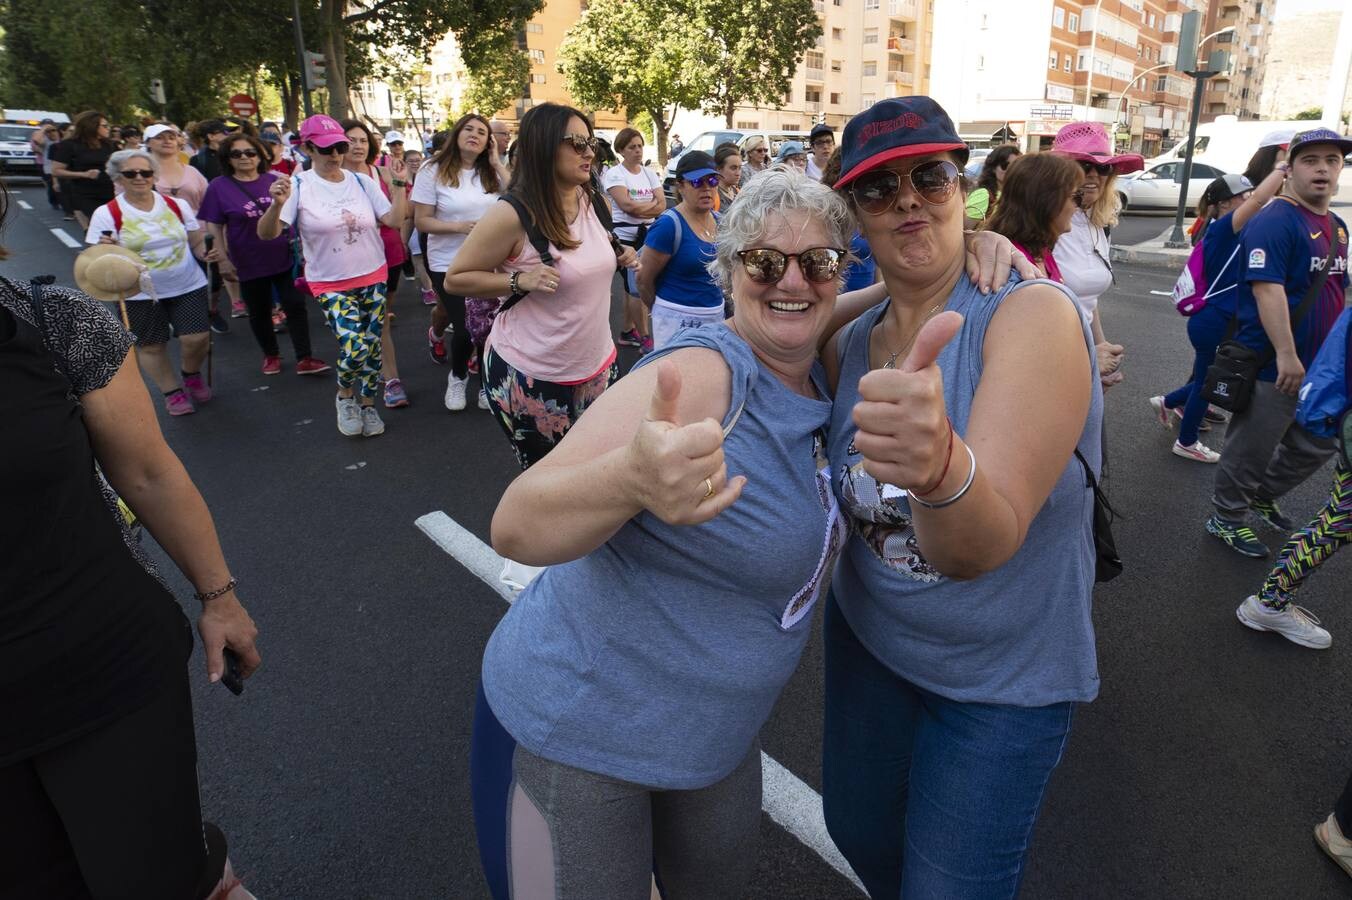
(343, 769)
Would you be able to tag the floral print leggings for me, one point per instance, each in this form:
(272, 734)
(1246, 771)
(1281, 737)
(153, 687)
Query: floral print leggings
(537, 414)
(1308, 548)
(357, 318)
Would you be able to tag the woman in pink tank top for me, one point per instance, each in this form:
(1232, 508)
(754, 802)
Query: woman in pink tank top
(550, 354)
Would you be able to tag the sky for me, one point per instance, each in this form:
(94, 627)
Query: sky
(1296, 7)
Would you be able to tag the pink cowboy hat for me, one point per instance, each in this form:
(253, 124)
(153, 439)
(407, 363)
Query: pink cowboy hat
(1089, 141)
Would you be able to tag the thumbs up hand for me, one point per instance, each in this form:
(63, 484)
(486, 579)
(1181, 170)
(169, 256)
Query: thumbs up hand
(677, 471)
(902, 418)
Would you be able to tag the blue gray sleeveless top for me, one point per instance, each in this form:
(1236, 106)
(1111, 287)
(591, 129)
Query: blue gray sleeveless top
(657, 657)
(1020, 635)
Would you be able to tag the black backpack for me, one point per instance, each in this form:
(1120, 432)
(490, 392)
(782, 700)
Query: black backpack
(541, 243)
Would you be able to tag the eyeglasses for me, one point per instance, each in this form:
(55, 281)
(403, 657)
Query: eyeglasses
(760, 149)
(764, 265)
(1101, 168)
(131, 174)
(580, 143)
(249, 153)
(340, 148)
(876, 192)
(708, 181)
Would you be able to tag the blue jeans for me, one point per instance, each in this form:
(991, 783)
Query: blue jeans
(925, 796)
(1205, 331)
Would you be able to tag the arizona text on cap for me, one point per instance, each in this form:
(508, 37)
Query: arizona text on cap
(1319, 136)
(895, 129)
(322, 131)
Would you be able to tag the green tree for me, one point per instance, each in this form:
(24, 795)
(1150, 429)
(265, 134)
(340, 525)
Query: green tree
(749, 49)
(1313, 114)
(499, 79)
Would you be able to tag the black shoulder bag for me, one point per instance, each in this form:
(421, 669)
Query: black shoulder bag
(1108, 565)
(1231, 377)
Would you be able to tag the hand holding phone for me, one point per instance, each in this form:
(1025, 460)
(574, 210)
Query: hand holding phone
(231, 678)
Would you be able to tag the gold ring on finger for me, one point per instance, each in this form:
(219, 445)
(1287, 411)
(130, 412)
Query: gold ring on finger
(708, 488)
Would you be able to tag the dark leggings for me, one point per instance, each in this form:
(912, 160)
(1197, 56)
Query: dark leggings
(113, 813)
(536, 414)
(257, 296)
(461, 345)
(1342, 810)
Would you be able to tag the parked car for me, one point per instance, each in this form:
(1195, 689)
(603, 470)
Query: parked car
(1157, 187)
(976, 159)
(709, 141)
(16, 154)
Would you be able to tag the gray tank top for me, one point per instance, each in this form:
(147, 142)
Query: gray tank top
(1021, 635)
(657, 657)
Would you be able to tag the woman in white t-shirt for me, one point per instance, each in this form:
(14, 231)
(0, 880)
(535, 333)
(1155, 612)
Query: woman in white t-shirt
(337, 214)
(637, 200)
(451, 193)
(164, 232)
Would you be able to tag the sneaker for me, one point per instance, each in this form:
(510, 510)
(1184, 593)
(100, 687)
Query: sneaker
(429, 297)
(1267, 511)
(278, 320)
(238, 310)
(196, 385)
(311, 366)
(630, 338)
(646, 345)
(1197, 451)
(436, 347)
(1239, 538)
(483, 399)
(178, 404)
(272, 365)
(349, 416)
(1330, 839)
(455, 393)
(1213, 414)
(218, 323)
(371, 425)
(1162, 413)
(473, 364)
(395, 396)
(1295, 623)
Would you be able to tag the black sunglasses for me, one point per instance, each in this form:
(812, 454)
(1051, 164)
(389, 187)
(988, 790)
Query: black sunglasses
(137, 173)
(764, 265)
(580, 143)
(340, 148)
(1086, 166)
(250, 153)
(876, 192)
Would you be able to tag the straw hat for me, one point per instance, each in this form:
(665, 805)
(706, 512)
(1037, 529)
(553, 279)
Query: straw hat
(108, 272)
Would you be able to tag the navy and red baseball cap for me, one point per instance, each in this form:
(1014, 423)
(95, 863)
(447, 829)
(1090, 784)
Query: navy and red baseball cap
(1319, 136)
(894, 129)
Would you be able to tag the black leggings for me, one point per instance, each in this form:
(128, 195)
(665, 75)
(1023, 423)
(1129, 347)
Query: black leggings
(257, 296)
(113, 813)
(461, 345)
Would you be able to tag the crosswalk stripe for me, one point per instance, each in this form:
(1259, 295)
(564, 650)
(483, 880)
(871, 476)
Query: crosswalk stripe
(65, 238)
(24, 204)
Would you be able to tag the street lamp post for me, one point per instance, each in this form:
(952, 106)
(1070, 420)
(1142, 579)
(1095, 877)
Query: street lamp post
(1199, 76)
(1122, 100)
(1089, 73)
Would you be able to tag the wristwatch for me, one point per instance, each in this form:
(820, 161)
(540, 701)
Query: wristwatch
(397, 183)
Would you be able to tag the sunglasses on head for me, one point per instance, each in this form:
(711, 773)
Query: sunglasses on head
(876, 192)
(708, 181)
(764, 265)
(248, 153)
(137, 173)
(1101, 168)
(580, 143)
(340, 148)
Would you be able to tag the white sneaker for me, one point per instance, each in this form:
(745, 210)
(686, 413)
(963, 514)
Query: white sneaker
(371, 424)
(455, 393)
(1330, 839)
(1295, 623)
(1163, 414)
(349, 416)
(517, 575)
(1199, 452)
(483, 399)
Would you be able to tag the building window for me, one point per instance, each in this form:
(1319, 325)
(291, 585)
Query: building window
(813, 95)
(1074, 23)
(836, 65)
(748, 126)
(984, 19)
(865, 101)
(1080, 63)
(870, 35)
(1058, 17)
(870, 69)
(1054, 61)
(835, 99)
(1067, 62)
(870, 4)
(837, 34)
(1161, 83)
(534, 28)
(538, 57)
(538, 78)
(980, 63)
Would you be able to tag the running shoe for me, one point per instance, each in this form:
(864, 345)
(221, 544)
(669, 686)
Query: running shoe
(483, 399)
(630, 338)
(646, 345)
(278, 320)
(1330, 839)
(1239, 538)
(429, 297)
(349, 416)
(1163, 414)
(238, 310)
(1295, 623)
(178, 404)
(218, 323)
(311, 366)
(1215, 415)
(1267, 511)
(473, 364)
(455, 392)
(371, 425)
(272, 365)
(196, 386)
(395, 396)
(436, 347)
(1197, 451)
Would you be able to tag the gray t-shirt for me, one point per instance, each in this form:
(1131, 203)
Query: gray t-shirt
(1021, 635)
(657, 657)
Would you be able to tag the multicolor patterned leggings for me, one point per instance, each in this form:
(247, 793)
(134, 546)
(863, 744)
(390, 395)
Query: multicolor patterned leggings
(1308, 548)
(356, 318)
(535, 414)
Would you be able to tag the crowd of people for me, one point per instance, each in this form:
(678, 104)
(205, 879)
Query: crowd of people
(848, 345)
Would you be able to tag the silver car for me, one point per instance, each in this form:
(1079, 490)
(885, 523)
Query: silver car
(1157, 187)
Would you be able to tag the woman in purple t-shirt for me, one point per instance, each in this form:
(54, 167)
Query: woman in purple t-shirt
(233, 204)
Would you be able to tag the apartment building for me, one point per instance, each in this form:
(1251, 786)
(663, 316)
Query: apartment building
(1239, 90)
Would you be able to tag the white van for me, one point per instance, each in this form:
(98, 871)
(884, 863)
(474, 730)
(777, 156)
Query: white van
(1227, 143)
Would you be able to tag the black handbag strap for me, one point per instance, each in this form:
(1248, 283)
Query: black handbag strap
(534, 235)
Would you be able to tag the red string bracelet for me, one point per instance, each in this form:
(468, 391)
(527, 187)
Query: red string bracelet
(948, 462)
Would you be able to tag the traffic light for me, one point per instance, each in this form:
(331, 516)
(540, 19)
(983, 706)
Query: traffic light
(315, 70)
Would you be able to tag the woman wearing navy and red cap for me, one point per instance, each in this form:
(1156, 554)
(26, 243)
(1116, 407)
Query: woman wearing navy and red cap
(958, 636)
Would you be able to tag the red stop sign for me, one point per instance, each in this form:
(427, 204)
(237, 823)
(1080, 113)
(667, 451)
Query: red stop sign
(243, 105)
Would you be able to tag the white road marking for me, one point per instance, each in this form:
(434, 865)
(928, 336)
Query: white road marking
(1163, 293)
(65, 238)
(24, 204)
(785, 797)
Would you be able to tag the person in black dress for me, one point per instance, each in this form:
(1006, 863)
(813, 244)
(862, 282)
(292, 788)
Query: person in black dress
(97, 753)
(79, 162)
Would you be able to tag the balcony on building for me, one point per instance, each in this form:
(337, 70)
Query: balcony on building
(814, 73)
(819, 6)
(898, 44)
(812, 107)
(901, 77)
(904, 10)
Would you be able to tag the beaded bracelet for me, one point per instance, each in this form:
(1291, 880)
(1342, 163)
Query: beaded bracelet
(221, 591)
(962, 491)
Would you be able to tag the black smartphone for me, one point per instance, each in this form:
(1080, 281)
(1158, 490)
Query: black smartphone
(232, 679)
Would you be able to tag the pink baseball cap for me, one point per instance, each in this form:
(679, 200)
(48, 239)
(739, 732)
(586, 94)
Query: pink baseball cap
(1089, 141)
(322, 131)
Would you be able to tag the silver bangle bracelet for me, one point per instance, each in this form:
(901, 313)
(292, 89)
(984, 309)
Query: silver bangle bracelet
(967, 485)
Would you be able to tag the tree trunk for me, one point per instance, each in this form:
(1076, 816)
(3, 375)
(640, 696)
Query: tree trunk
(663, 128)
(335, 53)
(289, 84)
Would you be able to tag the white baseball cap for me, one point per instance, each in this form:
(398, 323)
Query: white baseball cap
(156, 130)
(393, 137)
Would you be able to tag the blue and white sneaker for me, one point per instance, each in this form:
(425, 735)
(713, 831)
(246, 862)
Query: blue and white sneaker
(1240, 538)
